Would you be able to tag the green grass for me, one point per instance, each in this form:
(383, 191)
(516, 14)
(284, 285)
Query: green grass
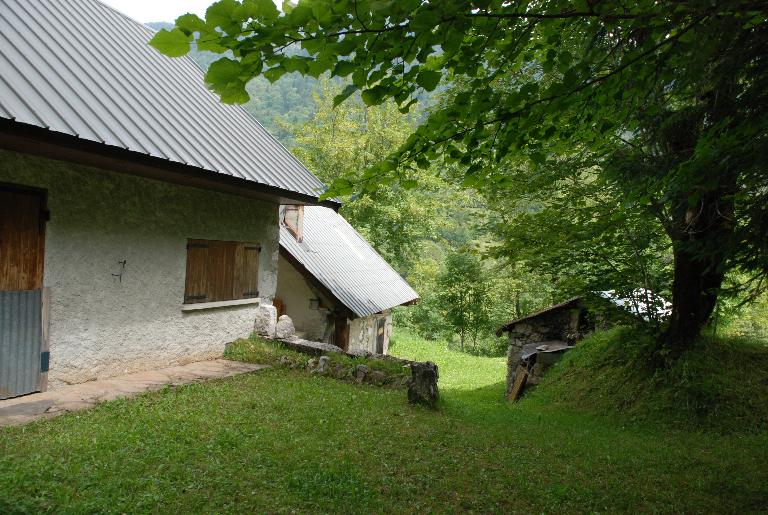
(720, 385)
(281, 440)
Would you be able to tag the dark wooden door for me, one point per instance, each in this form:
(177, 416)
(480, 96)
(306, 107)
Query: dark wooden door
(381, 327)
(341, 332)
(22, 240)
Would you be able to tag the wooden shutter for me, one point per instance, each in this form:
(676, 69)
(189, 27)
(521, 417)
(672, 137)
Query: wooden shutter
(247, 271)
(221, 270)
(196, 288)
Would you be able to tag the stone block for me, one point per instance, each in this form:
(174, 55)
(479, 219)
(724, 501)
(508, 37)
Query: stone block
(360, 372)
(322, 365)
(284, 327)
(265, 321)
(378, 377)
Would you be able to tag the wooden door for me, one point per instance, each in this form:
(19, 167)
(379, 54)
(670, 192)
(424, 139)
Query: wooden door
(381, 327)
(22, 240)
(341, 332)
(22, 237)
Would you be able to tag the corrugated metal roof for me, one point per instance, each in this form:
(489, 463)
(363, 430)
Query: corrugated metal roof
(337, 256)
(81, 68)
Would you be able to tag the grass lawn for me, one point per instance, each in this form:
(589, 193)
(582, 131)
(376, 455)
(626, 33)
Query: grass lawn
(281, 440)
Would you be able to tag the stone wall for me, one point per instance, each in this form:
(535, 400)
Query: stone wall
(362, 332)
(107, 320)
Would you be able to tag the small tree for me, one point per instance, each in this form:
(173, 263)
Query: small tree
(463, 295)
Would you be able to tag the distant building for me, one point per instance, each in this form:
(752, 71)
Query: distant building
(335, 287)
(538, 340)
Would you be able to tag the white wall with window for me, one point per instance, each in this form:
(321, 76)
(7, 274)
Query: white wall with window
(116, 263)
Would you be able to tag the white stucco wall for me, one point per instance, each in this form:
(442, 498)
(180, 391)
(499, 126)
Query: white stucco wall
(102, 326)
(362, 332)
(295, 292)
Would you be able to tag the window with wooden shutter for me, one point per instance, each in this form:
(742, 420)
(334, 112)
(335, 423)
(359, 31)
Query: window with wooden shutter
(221, 270)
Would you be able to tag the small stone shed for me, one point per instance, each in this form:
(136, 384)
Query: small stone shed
(553, 330)
(333, 285)
(138, 214)
(537, 341)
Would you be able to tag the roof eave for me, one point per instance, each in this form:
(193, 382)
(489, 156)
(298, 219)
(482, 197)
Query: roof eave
(30, 139)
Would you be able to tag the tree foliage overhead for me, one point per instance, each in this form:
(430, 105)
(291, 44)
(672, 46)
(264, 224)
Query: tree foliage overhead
(666, 98)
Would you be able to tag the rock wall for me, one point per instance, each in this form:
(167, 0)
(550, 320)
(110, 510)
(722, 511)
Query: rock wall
(106, 319)
(363, 333)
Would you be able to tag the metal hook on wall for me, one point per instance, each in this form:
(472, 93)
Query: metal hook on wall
(122, 269)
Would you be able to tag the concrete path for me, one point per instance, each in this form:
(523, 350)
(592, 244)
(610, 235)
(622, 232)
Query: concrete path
(22, 410)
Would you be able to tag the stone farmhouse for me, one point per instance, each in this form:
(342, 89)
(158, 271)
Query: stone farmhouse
(139, 216)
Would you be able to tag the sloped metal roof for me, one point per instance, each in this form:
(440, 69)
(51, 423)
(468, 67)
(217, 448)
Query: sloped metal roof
(570, 303)
(80, 68)
(337, 256)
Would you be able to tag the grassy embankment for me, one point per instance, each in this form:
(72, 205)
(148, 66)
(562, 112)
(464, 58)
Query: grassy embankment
(282, 440)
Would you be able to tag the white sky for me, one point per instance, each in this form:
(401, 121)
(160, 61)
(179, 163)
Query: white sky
(159, 10)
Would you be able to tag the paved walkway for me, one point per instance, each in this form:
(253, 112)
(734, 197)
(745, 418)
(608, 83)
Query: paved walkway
(22, 410)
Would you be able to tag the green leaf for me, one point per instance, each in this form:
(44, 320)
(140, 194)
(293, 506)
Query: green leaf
(224, 77)
(295, 64)
(263, 10)
(407, 107)
(344, 68)
(300, 15)
(373, 96)
(223, 71)
(274, 73)
(345, 94)
(422, 162)
(409, 184)
(190, 23)
(288, 6)
(211, 44)
(222, 14)
(174, 43)
(425, 18)
(235, 93)
(428, 79)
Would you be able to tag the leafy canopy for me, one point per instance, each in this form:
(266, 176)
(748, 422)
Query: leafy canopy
(601, 57)
(667, 98)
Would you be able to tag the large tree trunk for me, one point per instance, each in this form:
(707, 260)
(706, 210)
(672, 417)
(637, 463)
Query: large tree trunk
(700, 246)
(694, 295)
(702, 220)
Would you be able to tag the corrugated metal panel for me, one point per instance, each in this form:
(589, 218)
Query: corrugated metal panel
(20, 342)
(337, 256)
(81, 68)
